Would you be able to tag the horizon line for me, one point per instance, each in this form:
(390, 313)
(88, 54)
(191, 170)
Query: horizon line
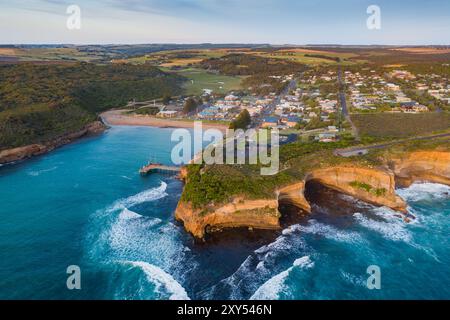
(223, 44)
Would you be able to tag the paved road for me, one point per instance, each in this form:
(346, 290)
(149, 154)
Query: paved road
(271, 107)
(361, 150)
(343, 101)
(342, 97)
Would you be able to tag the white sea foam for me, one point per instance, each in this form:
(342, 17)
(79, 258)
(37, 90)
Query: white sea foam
(142, 197)
(132, 237)
(39, 172)
(392, 227)
(164, 282)
(279, 244)
(129, 230)
(389, 226)
(291, 230)
(260, 266)
(128, 215)
(353, 279)
(329, 232)
(272, 289)
(425, 191)
(304, 262)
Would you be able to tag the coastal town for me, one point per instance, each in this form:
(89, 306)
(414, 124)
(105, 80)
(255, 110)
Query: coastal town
(309, 105)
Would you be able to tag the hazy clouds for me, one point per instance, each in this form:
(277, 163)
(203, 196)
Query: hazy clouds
(190, 21)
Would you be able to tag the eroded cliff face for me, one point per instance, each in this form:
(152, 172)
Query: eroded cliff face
(258, 214)
(294, 195)
(16, 154)
(375, 186)
(29, 151)
(429, 166)
(372, 185)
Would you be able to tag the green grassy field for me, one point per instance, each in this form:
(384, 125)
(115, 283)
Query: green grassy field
(302, 57)
(200, 79)
(170, 58)
(400, 125)
(53, 54)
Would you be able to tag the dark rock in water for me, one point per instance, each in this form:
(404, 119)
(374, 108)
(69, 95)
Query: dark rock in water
(410, 216)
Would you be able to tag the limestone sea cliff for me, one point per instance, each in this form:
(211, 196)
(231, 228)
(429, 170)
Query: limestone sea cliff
(29, 151)
(433, 166)
(258, 214)
(373, 184)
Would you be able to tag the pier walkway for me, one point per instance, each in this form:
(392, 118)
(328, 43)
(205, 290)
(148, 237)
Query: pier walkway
(158, 168)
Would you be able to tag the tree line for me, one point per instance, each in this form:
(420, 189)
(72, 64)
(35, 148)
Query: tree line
(41, 102)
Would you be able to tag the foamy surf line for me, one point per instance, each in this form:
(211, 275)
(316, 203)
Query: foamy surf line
(161, 280)
(272, 288)
(142, 197)
(127, 214)
(39, 172)
(390, 229)
(425, 191)
(326, 231)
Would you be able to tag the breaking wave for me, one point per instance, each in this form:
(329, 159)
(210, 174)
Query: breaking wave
(387, 224)
(425, 191)
(128, 215)
(128, 231)
(121, 235)
(326, 231)
(142, 197)
(259, 267)
(272, 289)
(165, 284)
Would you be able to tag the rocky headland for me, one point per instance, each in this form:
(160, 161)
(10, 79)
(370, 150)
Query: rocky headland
(29, 151)
(372, 184)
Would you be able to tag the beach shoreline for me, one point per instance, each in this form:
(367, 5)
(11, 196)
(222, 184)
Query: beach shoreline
(118, 118)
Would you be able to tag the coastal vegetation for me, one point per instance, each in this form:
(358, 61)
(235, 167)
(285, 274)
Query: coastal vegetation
(42, 102)
(152, 111)
(262, 75)
(190, 105)
(400, 125)
(247, 65)
(208, 186)
(242, 121)
(218, 183)
(368, 188)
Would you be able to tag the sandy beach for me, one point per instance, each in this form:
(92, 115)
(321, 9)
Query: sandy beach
(118, 118)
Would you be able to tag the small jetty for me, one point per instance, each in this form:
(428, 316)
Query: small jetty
(158, 168)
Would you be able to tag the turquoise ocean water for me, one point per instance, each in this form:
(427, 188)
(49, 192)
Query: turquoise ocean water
(85, 204)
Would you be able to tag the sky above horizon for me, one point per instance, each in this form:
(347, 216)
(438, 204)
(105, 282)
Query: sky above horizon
(403, 22)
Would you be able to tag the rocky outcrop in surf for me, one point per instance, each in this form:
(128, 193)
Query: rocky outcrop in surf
(29, 151)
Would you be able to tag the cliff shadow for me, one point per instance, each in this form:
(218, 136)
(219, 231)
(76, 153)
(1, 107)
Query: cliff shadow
(326, 200)
(291, 214)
